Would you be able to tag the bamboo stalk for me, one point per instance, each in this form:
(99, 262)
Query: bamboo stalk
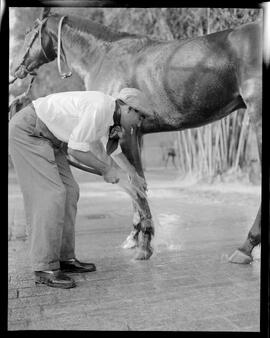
(217, 138)
(206, 146)
(219, 164)
(181, 160)
(193, 150)
(225, 140)
(210, 126)
(233, 140)
(244, 154)
(188, 161)
(228, 132)
(241, 140)
(201, 147)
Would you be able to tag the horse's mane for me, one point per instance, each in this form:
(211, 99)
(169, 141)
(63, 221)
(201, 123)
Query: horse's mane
(97, 30)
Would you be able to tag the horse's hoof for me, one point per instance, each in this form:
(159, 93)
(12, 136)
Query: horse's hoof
(144, 254)
(256, 253)
(130, 243)
(240, 257)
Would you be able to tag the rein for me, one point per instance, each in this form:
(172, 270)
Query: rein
(84, 168)
(59, 48)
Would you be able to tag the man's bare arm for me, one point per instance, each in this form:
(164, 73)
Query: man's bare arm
(124, 163)
(89, 159)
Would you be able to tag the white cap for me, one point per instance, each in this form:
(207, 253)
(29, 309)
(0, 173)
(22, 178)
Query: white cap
(136, 99)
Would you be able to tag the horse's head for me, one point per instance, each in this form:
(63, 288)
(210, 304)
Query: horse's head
(38, 47)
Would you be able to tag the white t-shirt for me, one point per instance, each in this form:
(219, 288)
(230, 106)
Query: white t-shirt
(78, 117)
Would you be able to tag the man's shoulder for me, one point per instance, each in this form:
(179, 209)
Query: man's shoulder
(97, 99)
(86, 94)
(97, 95)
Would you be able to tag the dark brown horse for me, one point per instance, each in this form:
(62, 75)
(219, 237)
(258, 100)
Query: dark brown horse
(189, 82)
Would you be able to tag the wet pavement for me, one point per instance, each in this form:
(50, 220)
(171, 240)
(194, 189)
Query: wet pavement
(187, 285)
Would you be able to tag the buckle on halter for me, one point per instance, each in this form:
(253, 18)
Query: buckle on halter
(59, 47)
(65, 75)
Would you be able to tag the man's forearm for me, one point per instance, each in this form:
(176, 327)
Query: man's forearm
(137, 181)
(124, 163)
(89, 159)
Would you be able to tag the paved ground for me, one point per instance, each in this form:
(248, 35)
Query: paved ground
(187, 285)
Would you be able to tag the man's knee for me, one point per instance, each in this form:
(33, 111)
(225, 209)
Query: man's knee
(51, 202)
(58, 195)
(12, 129)
(73, 192)
(14, 137)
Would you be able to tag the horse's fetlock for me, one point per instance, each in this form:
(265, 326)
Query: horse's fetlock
(147, 227)
(254, 239)
(137, 227)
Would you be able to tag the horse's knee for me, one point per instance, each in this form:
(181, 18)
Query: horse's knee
(13, 129)
(56, 197)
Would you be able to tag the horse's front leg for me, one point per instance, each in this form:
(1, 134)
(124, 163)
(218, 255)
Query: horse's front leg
(145, 249)
(132, 241)
(142, 218)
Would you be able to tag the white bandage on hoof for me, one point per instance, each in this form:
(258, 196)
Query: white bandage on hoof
(240, 257)
(130, 242)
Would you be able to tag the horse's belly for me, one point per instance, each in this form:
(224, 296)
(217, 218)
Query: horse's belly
(186, 97)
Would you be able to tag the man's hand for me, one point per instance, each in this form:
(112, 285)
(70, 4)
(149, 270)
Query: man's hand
(138, 182)
(110, 175)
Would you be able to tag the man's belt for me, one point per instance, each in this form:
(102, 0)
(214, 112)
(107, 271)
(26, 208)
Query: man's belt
(41, 130)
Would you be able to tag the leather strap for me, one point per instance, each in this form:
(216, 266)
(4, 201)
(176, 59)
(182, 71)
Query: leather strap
(113, 140)
(117, 114)
(59, 48)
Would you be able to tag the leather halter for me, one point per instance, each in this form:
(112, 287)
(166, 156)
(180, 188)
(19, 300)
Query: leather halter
(42, 22)
(37, 31)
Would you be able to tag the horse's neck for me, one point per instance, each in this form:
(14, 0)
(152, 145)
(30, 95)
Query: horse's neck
(87, 43)
(82, 49)
(82, 57)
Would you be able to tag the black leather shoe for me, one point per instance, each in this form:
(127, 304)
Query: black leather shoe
(76, 267)
(56, 279)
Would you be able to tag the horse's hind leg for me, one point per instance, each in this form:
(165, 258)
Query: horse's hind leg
(243, 254)
(252, 94)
